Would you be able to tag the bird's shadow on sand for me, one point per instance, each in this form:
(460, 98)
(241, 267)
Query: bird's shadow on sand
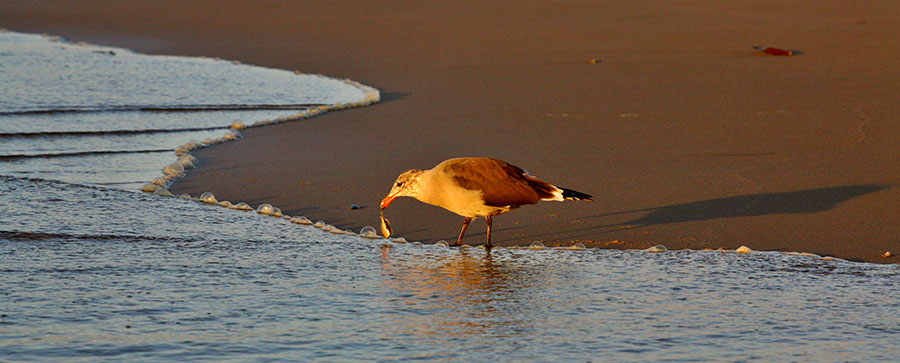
(749, 205)
(802, 201)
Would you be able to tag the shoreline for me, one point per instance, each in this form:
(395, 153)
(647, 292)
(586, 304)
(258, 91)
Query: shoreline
(687, 138)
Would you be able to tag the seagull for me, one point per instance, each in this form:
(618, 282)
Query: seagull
(475, 187)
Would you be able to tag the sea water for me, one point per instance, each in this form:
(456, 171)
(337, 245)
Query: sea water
(108, 116)
(90, 270)
(90, 273)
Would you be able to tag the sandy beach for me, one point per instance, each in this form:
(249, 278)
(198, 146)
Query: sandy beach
(685, 135)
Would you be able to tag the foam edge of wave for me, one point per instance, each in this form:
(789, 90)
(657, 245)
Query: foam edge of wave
(159, 186)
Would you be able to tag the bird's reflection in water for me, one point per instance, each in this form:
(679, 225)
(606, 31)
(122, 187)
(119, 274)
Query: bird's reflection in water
(442, 293)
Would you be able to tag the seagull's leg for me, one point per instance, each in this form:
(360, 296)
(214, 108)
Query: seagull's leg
(463, 231)
(487, 220)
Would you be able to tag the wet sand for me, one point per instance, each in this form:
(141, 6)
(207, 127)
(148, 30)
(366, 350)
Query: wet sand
(685, 135)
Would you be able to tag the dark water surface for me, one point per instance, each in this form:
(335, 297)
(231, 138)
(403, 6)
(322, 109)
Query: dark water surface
(91, 273)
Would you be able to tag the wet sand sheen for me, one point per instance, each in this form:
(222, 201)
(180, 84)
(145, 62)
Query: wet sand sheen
(686, 136)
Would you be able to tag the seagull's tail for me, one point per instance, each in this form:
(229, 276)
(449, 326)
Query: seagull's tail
(569, 194)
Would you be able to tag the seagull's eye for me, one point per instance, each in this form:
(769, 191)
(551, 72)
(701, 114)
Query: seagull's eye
(399, 184)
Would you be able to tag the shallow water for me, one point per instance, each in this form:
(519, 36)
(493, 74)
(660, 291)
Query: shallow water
(92, 273)
(100, 115)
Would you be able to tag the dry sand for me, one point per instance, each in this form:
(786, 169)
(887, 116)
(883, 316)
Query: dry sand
(685, 135)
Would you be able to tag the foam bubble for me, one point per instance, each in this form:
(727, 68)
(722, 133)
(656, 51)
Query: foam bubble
(186, 161)
(368, 232)
(536, 245)
(242, 206)
(442, 243)
(159, 181)
(803, 254)
(276, 212)
(577, 247)
(184, 196)
(163, 192)
(265, 209)
(173, 169)
(301, 220)
(657, 249)
(149, 187)
(319, 224)
(743, 250)
(208, 197)
(182, 150)
(399, 240)
(237, 125)
(225, 204)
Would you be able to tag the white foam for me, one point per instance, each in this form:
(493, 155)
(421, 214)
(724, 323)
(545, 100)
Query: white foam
(657, 249)
(576, 247)
(301, 220)
(163, 192)
(265, 209)
(369, 232)
(241, 206)
(208, 197)
(802, 254)
(173, 170)
(149, 187)
(325, 227)
(187, 161)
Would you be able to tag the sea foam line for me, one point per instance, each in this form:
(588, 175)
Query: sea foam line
(185, 160)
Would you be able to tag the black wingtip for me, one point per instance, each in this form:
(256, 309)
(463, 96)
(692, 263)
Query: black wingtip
(570, 194)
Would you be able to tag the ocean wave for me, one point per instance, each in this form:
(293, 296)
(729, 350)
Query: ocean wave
(118, 238)
(81, 153)
(106, 132)
(11, 111)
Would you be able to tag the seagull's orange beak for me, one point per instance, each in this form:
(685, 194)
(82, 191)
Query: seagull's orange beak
(387, 200)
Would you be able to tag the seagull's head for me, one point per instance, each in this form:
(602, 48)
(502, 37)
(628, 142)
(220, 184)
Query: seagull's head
(406, 185)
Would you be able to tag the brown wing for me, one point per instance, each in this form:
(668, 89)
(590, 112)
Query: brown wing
(502, 184)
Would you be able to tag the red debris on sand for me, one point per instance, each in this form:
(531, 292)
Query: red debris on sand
(776, 51)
